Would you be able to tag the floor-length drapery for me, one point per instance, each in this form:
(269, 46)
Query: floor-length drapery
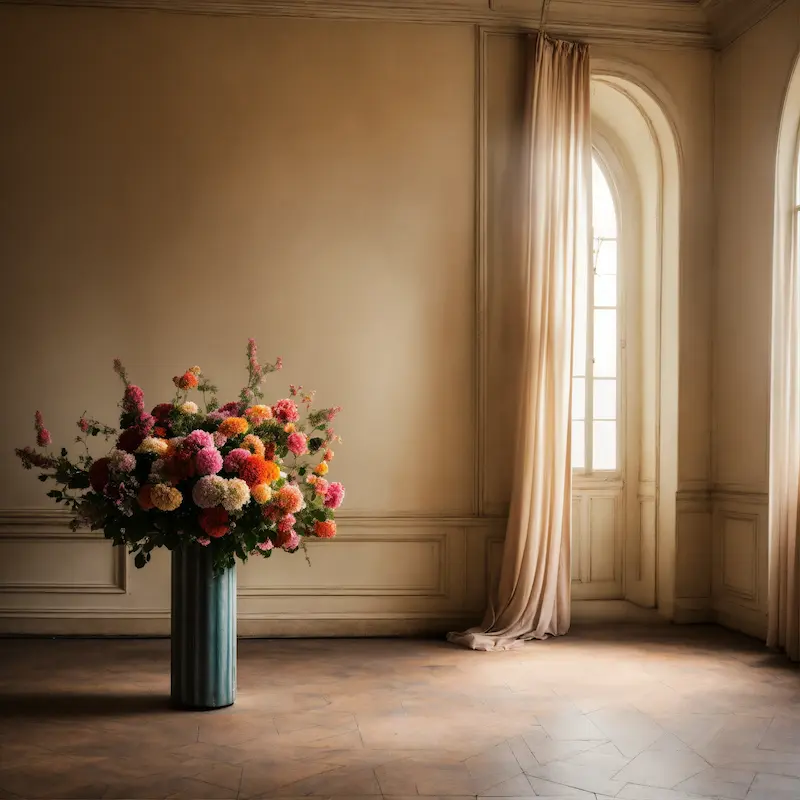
(784, 470)
(533, 595)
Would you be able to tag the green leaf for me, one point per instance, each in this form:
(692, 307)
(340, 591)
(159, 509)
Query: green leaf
(140, 560)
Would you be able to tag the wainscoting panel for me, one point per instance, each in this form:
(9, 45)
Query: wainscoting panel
(740, 552)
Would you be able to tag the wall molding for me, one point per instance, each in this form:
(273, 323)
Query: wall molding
(729, 19)
(651, 22)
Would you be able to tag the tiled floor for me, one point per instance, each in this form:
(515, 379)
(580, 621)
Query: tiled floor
(626, 712)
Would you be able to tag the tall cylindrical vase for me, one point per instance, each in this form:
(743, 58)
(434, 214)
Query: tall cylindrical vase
(203, 631)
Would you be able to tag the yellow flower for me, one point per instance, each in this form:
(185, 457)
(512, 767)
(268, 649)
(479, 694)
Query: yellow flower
(153, 445)
(232, 426)
(194, 370)
(261, 493)
(321, 468)
(165, 498)
(289, 427)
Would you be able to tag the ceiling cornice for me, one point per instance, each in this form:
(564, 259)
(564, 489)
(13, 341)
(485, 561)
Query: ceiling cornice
(729, 19)
(652, 22)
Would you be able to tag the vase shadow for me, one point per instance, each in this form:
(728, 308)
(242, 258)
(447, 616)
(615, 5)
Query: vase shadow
(52, 705)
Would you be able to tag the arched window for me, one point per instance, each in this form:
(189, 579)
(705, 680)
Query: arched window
(595, 405)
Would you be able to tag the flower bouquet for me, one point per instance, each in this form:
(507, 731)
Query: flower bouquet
(212, 484)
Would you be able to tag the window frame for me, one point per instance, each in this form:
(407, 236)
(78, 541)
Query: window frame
(585, 476)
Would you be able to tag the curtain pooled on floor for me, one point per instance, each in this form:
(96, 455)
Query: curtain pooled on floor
(533, 595)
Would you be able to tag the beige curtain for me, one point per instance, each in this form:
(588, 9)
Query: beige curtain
(533, 596)
(784, 480)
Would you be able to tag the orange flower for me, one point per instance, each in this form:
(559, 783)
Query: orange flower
(257, 414)
(256, 470)
(233, 426)
(321, 468)
(144, 498)
(328, 455)
(186, 381)
(289, 427)
(325, 530)
(253, 444)
(261, 493)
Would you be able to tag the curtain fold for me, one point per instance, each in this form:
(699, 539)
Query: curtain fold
(784, 468)
(532, 600)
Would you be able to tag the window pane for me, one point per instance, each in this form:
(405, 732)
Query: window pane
(578, 398)
(604, 445)
(605, 257)
(605, 343)
(605, 290)
(578, 445)
(605, 399)
(604, 218)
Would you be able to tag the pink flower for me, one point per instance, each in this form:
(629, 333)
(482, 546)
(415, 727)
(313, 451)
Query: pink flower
(285, 411)
(279, 363)
(236, 459)
(198, 440)
(267, 545)
(330, 413)
(83, 424)
(219, 438)
(203, 540)
(288, 540)
(146, 423)
(286, 523)
(216, 416)
(43, 437)
(321, 486)
(208, 461)
(133, 400)
(297, 443)
(334, 495)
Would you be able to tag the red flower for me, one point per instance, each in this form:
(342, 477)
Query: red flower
(98, 474)
(214, 521)
(162, 411)
(130, 439)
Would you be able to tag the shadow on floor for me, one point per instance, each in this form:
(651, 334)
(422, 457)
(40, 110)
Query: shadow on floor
(50, 705)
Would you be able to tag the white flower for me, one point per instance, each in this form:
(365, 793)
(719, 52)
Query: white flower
(188, 407)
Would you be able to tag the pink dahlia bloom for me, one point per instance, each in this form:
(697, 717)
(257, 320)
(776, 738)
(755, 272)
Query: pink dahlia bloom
(219, 438)
(203, 540)
(334, 495)
(288, 540)
(320, 486)
(286, 411)
(267, 545)
(297, 443)
(286, 523)
(208, 461)
(236, 459)
(133, 400)
(197, 440)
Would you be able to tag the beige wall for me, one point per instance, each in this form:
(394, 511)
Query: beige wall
(751, 81)
(171, 185)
